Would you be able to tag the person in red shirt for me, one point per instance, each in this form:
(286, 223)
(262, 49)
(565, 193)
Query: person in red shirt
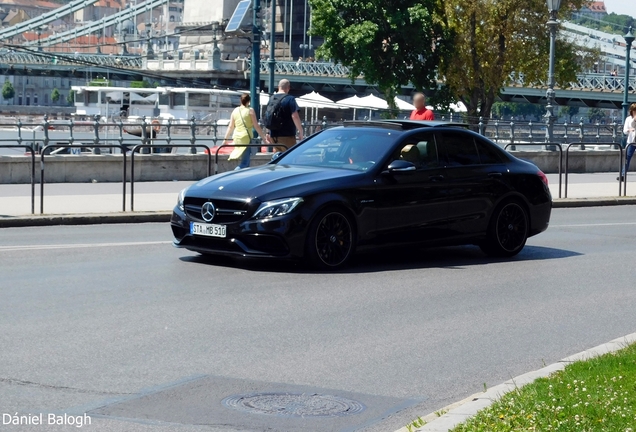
(421, 112)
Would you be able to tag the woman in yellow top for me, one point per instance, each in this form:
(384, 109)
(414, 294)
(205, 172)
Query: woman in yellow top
(242, 122)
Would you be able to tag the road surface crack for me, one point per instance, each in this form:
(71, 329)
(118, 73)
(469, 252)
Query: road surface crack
(54, 387)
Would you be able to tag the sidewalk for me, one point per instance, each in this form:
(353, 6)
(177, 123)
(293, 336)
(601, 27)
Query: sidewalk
(106, 198)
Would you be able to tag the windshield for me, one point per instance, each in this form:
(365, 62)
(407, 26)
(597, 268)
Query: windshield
(348, 148)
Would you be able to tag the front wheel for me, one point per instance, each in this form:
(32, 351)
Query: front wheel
(330, 239)
(508, 230)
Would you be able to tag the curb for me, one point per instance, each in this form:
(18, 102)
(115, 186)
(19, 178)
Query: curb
(592, 202)
(459, 412)
(164, 216)
(84, 219)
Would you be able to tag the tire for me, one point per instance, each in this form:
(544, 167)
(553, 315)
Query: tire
(330, 240)
(507, 231)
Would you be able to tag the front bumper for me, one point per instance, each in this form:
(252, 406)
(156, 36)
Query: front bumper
(281, 237)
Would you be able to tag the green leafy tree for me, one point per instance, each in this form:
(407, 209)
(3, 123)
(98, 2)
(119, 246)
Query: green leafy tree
(392, 43)
(55, 95)
(8, 92)
(525, 111)
(569, 111)
(595, 115)
(143, 84)
(497, 39)
(70, 99)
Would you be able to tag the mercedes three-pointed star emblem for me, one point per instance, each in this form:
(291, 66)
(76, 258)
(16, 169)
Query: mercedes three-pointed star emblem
(208, 211)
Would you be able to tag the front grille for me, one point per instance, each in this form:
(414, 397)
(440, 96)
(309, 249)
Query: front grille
(227, 211)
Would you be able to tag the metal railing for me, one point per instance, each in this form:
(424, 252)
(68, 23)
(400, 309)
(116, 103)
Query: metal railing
(612, 146)
(558, 146)
(43, 154)
(30, 149)
(132, 165)
(52, 137)
(624, 177)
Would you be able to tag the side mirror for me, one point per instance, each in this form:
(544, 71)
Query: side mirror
(398, 166)
(276, 155)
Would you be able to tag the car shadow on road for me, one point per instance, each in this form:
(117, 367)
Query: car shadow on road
(458, 257)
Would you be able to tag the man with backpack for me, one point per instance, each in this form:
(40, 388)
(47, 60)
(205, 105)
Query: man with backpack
(282, 119)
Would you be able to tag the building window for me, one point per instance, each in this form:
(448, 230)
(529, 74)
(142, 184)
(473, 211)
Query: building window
(46, 98)
(35, 98)
(20, 99)
(28, 98)
(46, 82)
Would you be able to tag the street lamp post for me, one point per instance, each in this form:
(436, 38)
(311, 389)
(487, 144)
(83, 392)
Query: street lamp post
(629, 39)
(553, 8)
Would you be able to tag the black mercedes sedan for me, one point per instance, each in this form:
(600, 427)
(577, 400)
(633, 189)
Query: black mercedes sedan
(364, 185)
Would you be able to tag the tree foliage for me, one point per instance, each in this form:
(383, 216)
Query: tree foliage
(391, 42)
(55, 95)
(525, 111)
(612, 23)
(569, 111)
(70, 98)
(497, 39)
(8, 92)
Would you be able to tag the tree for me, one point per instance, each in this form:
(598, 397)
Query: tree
(70, 99)
(596, 115)
(391, 43)
(55, 95)
(8, 92)
(497, 39)
(569, 111)
(144, 84)
(523, 111)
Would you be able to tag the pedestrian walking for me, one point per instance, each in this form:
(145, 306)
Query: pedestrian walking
(629, 129)
(282, 118)
(421, 112)
(242, 121)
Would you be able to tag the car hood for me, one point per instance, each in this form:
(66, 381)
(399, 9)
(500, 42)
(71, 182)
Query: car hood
(273, 181)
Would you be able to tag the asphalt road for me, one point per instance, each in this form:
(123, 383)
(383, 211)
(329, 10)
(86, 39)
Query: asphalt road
(112, 321)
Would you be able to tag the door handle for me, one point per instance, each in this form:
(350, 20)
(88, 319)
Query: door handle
(495, 174)
(436, 178)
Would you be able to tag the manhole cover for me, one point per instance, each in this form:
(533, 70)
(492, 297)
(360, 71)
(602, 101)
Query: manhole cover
(294, 404)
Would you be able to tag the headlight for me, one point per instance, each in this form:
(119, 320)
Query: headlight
(180, 199)
(277, 208)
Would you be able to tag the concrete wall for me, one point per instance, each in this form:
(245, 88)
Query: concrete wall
(167, 167)
(108, 168)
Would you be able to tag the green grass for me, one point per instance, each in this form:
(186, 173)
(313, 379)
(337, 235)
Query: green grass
(592, 395)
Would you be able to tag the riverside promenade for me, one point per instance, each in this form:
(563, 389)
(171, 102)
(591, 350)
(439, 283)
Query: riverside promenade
(106, 198)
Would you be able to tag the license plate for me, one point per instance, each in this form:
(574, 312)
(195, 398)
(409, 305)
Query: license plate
(210, 230)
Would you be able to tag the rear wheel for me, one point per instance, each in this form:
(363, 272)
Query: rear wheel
(330, 239)
(508, 230)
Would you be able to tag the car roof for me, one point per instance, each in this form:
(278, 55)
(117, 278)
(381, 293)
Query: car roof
(397, 124)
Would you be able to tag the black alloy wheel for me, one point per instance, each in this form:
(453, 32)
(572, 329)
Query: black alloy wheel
(508, 230)
(331, 241)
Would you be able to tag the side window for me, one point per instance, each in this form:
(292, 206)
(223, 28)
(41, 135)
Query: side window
(420, 150)
(487, 154)
(460, 149)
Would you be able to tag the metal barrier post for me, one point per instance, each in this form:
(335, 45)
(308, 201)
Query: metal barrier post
(32, 175)
(43, 153)
(132, 166)
(567, 164)
(96, 138)
(624, 166)
(193, 138)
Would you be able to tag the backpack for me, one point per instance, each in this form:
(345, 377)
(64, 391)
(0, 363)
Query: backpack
(275, 114)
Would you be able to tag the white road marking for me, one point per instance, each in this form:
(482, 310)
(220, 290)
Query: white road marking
(78, 246)
(593, 225)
